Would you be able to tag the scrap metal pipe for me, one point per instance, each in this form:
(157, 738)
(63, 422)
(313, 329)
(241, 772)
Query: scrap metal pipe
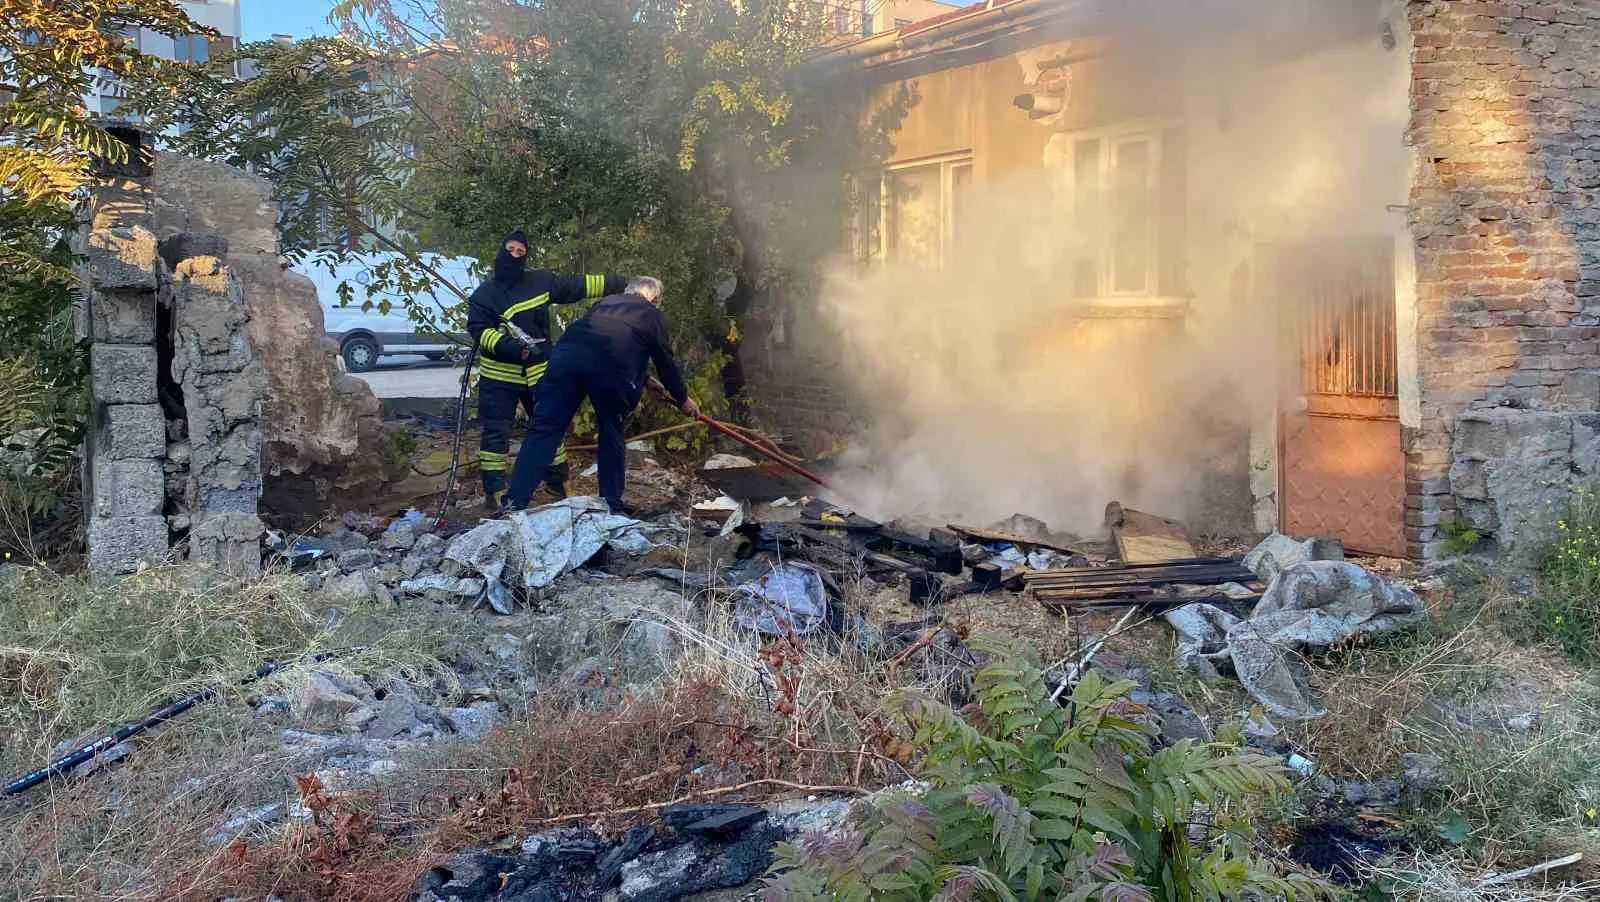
(68, 762)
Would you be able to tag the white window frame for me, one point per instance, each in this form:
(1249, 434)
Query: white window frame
(948, 164)
(1110, 138)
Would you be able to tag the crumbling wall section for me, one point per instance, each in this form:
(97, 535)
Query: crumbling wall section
(224, 394)
(324, 441)
(1505, 116)
(1514, 471)
(172, 461)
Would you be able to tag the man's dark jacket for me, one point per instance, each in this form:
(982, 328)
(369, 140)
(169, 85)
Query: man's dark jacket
(624, 333)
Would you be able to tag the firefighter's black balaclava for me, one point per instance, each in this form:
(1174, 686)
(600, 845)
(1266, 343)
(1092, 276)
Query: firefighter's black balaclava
(507, 268)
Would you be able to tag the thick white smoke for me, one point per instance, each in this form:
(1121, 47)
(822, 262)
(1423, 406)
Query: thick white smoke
(989, 385)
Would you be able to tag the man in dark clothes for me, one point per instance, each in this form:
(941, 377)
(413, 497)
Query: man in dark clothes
(511, 367)
(601, 357)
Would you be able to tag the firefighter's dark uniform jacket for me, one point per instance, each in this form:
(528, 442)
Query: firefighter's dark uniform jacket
(526, 303)
(509, 368)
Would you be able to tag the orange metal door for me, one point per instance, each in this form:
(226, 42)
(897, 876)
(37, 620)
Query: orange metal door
(1341, 469)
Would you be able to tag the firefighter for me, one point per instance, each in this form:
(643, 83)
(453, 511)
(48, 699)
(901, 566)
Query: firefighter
(601, 357)
(509, 320)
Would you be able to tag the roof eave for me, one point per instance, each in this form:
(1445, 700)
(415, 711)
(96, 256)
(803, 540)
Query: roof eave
(978, 26)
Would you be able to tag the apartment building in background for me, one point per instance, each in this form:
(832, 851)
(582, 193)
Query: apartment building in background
(106, 96)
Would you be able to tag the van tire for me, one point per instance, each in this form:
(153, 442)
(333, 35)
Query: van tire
(360, 353)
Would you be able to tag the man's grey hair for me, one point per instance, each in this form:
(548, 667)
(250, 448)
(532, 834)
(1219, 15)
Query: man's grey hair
(647, 287)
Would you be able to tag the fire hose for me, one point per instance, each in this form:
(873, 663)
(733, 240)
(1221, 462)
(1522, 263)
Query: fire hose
(755, 444)
(86, 753)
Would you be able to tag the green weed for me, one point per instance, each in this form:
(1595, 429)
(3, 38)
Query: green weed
(1565, 609)
(1459, 536)
(1029, 801)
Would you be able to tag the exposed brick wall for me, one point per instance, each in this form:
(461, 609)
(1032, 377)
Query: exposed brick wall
(1506, 133)
(791, 397)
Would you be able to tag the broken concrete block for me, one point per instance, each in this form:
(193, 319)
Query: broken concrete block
(209, 312)
(128, 488)
(1586, 444)
(473, 722)
(123, 259)
(134, 431)
(123, 317)
(229, 542)
(123, 374)
(356, 559)
(1515, 486)
(352, 587)
(1470, 480)
(117, 545)
(177, 248)
(320, 698)
(1479, 436)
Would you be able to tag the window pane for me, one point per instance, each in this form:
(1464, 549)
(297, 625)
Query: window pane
(914, 215)
(1086, 201)
(868, 237)
(960, 200)
(1131, 252)
(202, 49)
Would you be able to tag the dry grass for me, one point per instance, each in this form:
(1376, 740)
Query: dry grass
(737, 710)
(563, 764)
(1436, 878)
(122, 833)
(81, 655)
(1451, 689)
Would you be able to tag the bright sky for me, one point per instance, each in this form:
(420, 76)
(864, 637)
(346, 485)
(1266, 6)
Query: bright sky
(298, 18)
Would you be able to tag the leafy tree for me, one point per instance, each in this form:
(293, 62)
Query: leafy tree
(1033, 801)
(51, 53)
(669, 138)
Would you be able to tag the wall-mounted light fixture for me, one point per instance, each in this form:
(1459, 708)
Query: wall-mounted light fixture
(1387, 37)
(1038, 106)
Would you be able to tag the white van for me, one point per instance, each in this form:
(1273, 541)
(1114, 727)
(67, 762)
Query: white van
(365, 336)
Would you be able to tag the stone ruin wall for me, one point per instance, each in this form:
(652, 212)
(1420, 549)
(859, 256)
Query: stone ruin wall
(325, 446)
(1506, 138)
(215, 396)
(173, 452)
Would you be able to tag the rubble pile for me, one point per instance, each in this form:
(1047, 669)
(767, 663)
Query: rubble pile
(573, 599)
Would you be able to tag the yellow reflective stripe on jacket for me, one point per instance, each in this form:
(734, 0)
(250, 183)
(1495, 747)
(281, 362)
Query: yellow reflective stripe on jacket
(532, 303)
(505, 369)
(490, 338)
(594, 286)
(536, 371)
(502, 372)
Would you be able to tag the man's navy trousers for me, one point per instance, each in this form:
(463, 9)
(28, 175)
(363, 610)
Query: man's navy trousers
(576, 372)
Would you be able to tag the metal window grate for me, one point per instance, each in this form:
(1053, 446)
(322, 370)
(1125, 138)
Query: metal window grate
(1344, 311)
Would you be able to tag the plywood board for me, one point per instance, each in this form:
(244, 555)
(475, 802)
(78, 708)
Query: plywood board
(1145, 538)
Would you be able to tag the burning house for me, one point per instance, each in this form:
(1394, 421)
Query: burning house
(1331, 268)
